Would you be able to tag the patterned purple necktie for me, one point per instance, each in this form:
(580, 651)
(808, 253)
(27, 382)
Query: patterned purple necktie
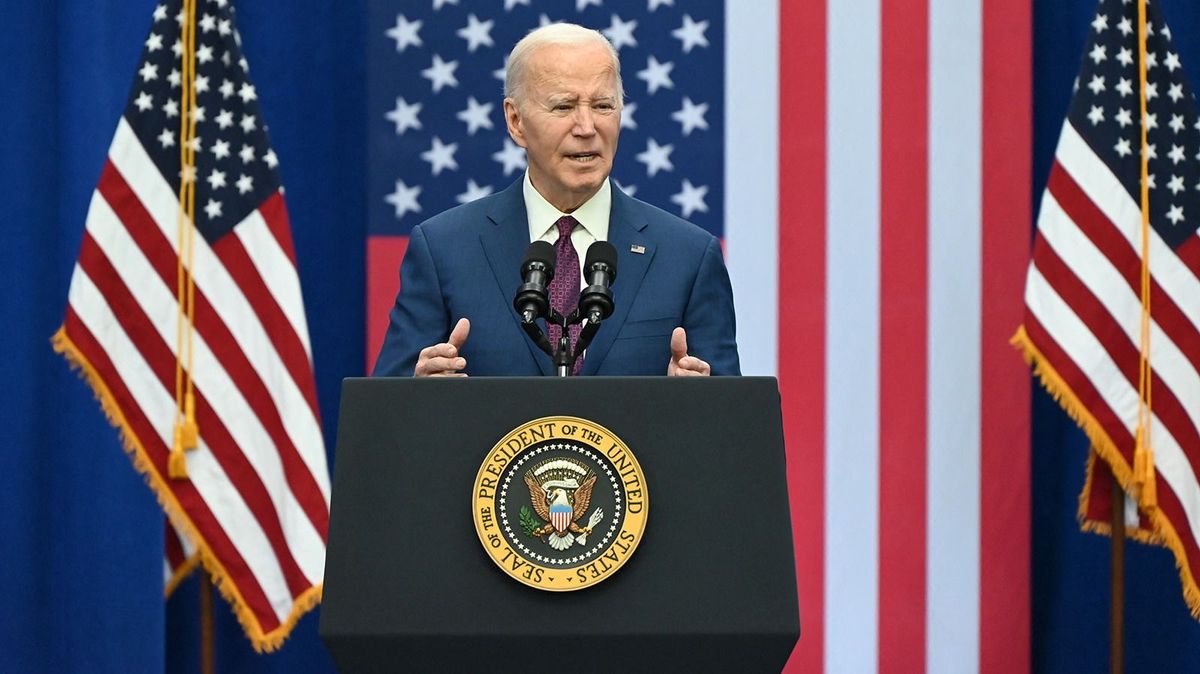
(564, 289)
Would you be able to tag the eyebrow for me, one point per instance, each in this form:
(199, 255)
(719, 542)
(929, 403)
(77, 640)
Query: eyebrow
(573, 98)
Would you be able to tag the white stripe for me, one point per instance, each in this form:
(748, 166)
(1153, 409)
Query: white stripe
(189, 546)
(212, 381)
(852, 339)
(205, 474)
(752, 178)
(229, 303)
(168, 572)
(955, 235)
(1106, 192)
(1089, 355)
(1108, 286)
(277, 272)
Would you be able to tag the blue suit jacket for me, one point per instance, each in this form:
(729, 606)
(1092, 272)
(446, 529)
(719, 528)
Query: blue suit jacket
(466, 262)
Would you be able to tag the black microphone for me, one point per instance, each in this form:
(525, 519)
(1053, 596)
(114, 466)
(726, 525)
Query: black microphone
(600, 270)
(537, 270)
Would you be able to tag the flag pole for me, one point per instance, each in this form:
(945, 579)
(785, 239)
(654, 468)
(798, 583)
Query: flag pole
(206, 623)
(1116, 637)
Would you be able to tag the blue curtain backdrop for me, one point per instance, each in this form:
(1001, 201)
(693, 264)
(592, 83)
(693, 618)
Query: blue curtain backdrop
(80, 573)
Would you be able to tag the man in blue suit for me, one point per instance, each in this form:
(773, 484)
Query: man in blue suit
(454, 315)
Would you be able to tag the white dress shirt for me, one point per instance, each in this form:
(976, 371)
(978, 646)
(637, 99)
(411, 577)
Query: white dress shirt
(592, 217)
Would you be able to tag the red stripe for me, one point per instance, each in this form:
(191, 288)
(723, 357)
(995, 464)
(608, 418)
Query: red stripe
(233, 255)
(1099, 496)
(281, 331)
(274, 211)
(1122, 351)
(1189, 253)
(195, 507)
(903, 330)
(1168, 503)
(801, 339)
(161, 361)
(1100, 230)
(161, 255)
(384, 254)
(1077, 381)
(1004, 420)
(1088, 309)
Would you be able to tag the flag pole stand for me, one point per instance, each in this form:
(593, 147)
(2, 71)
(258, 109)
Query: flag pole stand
(1116, 637)
(206, 623)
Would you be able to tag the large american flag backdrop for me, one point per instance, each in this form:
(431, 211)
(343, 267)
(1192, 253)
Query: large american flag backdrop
(254, 506)
(867, 165)
(1083, 294)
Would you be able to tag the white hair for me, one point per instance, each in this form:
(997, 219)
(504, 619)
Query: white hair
(554, 34)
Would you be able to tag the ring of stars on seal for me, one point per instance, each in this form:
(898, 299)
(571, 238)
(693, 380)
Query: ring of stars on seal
(516, 470)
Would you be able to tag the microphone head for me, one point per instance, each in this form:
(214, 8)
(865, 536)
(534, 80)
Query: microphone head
(602, 252)
(542, 252)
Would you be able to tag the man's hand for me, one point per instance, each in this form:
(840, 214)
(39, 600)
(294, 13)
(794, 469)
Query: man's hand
(442, 360)
(683, 365)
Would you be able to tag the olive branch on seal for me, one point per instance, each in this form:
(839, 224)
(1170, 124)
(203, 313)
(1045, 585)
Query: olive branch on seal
(529, 523)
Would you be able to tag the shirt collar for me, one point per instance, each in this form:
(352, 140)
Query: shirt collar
(593, 215)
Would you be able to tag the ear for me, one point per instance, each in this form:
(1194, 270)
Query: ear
(512, 118)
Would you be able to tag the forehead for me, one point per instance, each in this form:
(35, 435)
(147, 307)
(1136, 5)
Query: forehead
(583, 70)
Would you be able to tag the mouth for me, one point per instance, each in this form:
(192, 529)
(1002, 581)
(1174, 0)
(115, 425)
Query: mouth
(583, 157)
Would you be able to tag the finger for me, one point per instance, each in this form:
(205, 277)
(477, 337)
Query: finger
(429, 367)
(443, 350)
(678, 344)
(701, 366)
(693, 366)
(458, 336)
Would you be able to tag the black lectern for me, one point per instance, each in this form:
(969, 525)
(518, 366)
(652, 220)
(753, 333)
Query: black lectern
(409, 587)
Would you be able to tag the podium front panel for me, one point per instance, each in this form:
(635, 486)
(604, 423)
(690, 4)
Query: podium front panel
(711, 587)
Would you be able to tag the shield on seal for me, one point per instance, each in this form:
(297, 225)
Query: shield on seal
(560, 516)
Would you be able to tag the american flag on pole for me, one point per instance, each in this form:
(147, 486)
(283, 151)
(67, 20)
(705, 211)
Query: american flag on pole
(251, 499)
(1083, 295)
(867, 164)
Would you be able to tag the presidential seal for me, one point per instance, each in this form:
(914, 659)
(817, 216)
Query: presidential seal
(560, 503)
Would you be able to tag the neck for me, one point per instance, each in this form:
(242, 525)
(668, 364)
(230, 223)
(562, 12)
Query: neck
(568, 204)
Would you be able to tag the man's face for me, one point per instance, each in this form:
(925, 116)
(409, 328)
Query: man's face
(568, 122)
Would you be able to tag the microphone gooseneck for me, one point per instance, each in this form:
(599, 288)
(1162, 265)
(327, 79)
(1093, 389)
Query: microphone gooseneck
(600, 270)
(537, 270)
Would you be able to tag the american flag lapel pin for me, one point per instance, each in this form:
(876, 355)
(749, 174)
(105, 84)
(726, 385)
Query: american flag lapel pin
(640, 250)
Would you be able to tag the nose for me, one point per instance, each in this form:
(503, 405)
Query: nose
(584, 124)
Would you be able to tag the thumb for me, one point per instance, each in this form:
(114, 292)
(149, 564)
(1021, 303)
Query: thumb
(458, 336)
(678, 344)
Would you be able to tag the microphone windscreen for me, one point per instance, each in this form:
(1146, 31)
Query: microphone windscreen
(602, 251)
(540, 251)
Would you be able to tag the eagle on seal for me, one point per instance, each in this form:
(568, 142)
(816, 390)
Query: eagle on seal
(562, 510)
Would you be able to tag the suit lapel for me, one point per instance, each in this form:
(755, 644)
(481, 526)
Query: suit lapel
(504, 243)
(625, 230)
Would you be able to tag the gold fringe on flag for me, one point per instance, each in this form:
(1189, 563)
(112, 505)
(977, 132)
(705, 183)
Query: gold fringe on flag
(181, 574)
